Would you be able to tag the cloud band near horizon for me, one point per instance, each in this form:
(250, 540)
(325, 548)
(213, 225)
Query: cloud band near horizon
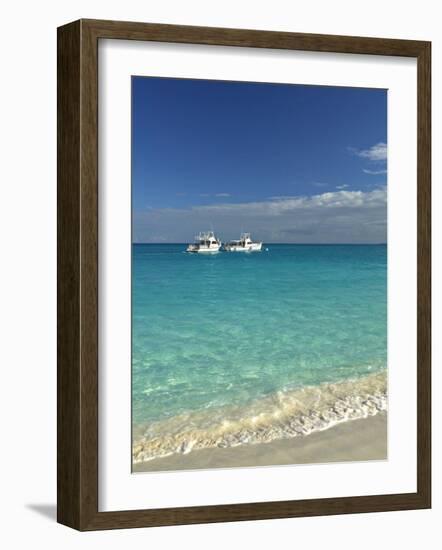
(336, 217)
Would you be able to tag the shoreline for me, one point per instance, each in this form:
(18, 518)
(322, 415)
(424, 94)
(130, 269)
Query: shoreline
(353, 440)
(278, 416)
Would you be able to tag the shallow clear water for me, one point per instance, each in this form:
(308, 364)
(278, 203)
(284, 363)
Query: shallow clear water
(226, 331)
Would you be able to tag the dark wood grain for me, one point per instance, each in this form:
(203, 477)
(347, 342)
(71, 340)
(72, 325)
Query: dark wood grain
(68, 276)
(252, 38)
(424, 274)
(77, 222)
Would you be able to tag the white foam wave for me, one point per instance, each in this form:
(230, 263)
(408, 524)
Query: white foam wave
(285, 414)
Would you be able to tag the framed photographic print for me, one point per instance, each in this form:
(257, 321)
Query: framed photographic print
(243, 274)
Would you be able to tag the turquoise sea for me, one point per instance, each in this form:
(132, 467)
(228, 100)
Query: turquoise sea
(247, 347)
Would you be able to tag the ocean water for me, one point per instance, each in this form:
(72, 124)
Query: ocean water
(248, 347)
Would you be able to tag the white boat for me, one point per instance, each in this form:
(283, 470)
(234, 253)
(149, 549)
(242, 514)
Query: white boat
(244, 244)
(205, 243)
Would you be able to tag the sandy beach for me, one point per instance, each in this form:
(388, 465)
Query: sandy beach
(355, 440)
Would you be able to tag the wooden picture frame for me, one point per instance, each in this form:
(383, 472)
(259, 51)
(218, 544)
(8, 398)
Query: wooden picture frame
(77, 460)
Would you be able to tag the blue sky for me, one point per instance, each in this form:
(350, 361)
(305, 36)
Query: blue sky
(289, 163)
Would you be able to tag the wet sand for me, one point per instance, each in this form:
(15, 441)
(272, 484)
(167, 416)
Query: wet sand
(355, 440)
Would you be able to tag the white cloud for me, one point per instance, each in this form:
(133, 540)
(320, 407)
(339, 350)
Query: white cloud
(279, 197)
(377, 152)
(344, 186)
(218, 195)
(338, 216)
(374, 172)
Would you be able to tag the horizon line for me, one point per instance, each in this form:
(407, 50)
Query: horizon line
(297, 244)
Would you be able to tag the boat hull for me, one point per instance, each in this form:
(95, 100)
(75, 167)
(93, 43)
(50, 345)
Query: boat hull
(203, 250)
(255, 247)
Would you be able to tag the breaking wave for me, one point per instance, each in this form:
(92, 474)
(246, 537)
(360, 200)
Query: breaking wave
(284, 414)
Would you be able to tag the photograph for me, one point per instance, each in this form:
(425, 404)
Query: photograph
(218, 263)
(259, 274)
